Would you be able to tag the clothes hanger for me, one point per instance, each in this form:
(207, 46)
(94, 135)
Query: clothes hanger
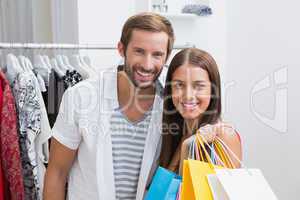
(39, 78)
(47, 62)
(18, 61)
(18, 64)
(56, 68)
(67, 63)
(86, 65)
(87, 60)
(13, 68)
(60, 63)
(28, 63)
(39, 62)
(22, 63)
(83, 71)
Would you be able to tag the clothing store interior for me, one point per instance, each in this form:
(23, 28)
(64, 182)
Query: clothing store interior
(55, 55)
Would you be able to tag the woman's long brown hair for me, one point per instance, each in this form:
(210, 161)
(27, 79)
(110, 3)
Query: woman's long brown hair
(171, 117)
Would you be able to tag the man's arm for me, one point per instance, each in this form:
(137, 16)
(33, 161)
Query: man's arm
(60, 163)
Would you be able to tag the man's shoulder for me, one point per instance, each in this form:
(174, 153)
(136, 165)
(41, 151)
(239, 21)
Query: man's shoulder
(101, 84)
(101, 75)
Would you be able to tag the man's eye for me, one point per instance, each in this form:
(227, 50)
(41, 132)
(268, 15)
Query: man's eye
(158, 55)
(178, 85)
(139, 51)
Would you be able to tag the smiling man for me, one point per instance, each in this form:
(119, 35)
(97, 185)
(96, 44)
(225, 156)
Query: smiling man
(107, 137)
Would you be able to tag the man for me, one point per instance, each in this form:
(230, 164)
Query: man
(106, 138)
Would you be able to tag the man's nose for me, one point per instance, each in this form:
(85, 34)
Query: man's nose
(148, 63)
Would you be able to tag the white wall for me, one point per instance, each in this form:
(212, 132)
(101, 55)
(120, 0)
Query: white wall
(207, 33)
(101, 23)
(263, 37)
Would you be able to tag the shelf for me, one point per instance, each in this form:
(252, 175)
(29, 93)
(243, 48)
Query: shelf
(178, 15)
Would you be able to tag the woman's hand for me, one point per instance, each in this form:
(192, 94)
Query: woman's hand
(211, 131)
(228, 135)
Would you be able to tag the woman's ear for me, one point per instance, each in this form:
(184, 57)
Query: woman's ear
(121, 49)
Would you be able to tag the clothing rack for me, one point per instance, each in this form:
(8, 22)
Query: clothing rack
(69, 46)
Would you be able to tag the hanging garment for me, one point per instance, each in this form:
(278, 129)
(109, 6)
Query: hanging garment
(29, 125)
(10, 149)
(2, 189)
(41, 83)
(2, 186)
(71, 78)
(55, 91)
(34, 125)
(41, 141)
(53, 96)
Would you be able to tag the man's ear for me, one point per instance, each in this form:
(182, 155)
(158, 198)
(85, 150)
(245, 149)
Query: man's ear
(121, 49)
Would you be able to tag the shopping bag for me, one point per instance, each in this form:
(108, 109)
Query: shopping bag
(246, 184)
(173, 189)
(164, 186)
(219, 154)
(216, 188)
(179, 192)
(195, 184)
(222, 155)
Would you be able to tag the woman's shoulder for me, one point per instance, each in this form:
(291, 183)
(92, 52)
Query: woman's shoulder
(229, 130)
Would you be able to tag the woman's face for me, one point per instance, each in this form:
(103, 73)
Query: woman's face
(191, 91)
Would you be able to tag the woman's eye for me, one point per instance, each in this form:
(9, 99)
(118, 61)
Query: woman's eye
(199, 86)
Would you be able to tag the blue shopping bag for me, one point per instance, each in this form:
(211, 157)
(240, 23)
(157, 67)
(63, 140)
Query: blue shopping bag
(164, 185)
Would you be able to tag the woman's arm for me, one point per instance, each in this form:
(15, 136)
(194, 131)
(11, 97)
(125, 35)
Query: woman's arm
(228, 135)
(225, 132)
(231, 138)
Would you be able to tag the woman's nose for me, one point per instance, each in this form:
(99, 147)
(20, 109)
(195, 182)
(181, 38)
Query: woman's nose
(189, 93)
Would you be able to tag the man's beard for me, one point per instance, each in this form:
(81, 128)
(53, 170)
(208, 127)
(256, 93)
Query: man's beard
(131, 70)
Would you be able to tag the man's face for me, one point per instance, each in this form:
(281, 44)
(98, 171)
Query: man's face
(145, 56)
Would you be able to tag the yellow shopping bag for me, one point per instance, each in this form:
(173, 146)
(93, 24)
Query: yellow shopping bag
(223, 154)
(194, 183)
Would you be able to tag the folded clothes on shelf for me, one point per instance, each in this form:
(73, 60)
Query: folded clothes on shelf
(198, 9)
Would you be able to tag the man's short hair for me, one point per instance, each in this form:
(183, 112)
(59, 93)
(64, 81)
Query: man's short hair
(148, 22)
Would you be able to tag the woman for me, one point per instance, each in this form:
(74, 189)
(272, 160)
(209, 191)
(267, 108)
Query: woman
(193, 102)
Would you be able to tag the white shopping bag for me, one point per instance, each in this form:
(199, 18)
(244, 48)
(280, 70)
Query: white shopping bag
(216, 188)
(239, 184)
(245, 184)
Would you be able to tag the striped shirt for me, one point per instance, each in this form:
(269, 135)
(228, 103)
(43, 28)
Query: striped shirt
(128, 142)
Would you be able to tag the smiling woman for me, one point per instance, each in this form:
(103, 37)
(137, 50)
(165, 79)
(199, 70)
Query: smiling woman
(193, 101)
(191, 90)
